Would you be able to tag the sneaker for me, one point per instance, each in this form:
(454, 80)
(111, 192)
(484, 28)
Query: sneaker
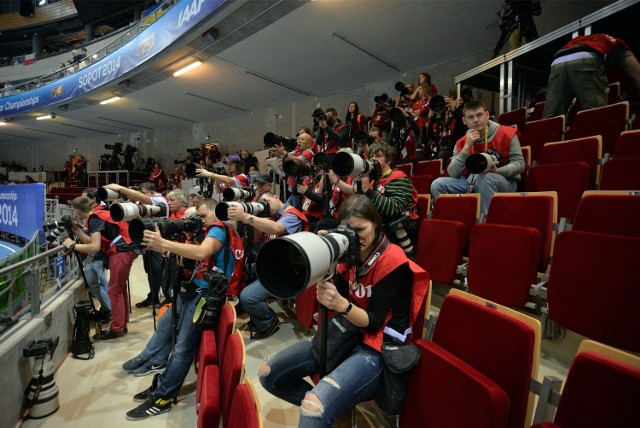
(151, 407)
(110, 334)
(145, 303)
(133, 364)
(269, 331)
(147, 393)
(149, 368)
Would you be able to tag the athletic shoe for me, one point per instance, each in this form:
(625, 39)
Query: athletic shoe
(133, 364)
(269, 331)
(148, 368)
(151, 407)
(110, 334)
(145, 303)
(147, 393)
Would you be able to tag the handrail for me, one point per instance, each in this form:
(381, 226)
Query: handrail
(30, 260)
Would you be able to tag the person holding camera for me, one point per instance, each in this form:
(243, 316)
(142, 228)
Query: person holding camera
(217, 261)
(355, 122)
(235, 178)
(153, 262)
(158, 178)
(113, 239)
(381, 295)
(253, 297)
(483, 136)
(380, 115)
(404, 135)
(302, 154)
(331, 133)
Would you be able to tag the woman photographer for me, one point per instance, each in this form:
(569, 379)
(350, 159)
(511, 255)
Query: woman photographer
(376, 296)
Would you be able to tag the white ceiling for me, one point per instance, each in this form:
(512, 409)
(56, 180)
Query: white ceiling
(302, 50)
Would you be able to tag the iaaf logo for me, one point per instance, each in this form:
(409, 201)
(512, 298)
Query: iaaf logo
(239, 254)
(189, 11)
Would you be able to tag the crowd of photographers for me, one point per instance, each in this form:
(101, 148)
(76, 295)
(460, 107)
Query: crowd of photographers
(198, 251)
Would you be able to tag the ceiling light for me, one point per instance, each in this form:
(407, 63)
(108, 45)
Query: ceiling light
(110, 100)
(187, 68)
(45, 117)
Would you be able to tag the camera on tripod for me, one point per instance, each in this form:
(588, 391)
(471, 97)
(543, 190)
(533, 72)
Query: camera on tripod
(117, 148)
(208, 309)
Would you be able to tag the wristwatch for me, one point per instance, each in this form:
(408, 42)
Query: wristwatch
(346, 311)
(72, 246)
(250, 221)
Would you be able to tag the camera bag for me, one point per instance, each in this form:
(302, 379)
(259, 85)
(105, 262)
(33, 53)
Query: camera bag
(342, 338)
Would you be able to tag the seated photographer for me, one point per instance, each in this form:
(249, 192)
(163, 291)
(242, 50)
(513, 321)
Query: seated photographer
(483, 135)
(253, 297)
(152, 260)
(313, 198)
(216, 255)
(380, 295)
(236, 177)
(113, 239)
(392, 193)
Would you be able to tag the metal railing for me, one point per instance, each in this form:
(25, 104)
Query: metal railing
(129, 34)
(31, 277)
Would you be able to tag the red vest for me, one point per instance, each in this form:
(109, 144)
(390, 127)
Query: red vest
(501, 143)
(105, 244)
(395, 174)
(392, 258)
(236, 282)
(177, 215)
(310, 207)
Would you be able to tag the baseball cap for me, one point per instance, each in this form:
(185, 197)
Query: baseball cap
(233, 158)
(263, 178)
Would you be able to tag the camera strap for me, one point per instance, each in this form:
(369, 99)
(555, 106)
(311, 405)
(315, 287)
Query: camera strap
(374, 255)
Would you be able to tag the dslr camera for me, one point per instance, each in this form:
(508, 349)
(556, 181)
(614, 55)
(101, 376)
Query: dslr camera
(479, 163)
(214, 297)
(57, 228)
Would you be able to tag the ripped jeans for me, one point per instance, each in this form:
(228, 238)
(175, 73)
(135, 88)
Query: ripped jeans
(354, 381)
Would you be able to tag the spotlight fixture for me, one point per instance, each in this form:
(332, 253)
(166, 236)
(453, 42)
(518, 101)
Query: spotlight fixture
(187, 68)
(46, 116)
(110, 100)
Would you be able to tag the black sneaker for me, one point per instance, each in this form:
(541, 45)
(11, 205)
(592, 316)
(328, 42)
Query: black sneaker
(151, 407)
(110, 334)
(133, 364)
(149, 368)
(144, 395)
(146, 303)
(269, 331)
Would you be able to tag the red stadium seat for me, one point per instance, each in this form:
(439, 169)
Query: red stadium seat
(516, 117)
(407, 168)
(497, 345)
(209, 407)
(536, 114)
(539, 132)
(231, 372)
(587, 149)
(601, 390)
(537, 210)
(608, 122)
(593, 287)
(245, 409)
(503, 262)
(569, 180)
(429, 167)
(628, 144)
(608, 212)
(422, 183)
(621, 174)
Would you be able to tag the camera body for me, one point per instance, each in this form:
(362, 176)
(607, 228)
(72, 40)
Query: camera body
(400, 87)
(169, 229)
(361, 138)
(117, 148)
(271, 139)
(40, 348)
(57, 228)
(211, 302)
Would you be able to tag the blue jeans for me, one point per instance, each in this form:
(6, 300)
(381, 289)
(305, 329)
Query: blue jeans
(97, 282)
(254, 300)
(487, 185)
(352, 382)
(187, 342)
(159, 346)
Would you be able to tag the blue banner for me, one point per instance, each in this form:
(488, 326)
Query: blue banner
(22, 209)
(175, 23)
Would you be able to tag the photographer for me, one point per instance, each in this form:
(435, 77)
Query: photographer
(404, 135)
(158, 178)
(254, 296)
(214, 252)
(113, 239)
(152, 261)
(235, 177)
(302, 154)
(381, 295)
(483, 135)
(380, 115)
(392, 193)
(331, 134)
